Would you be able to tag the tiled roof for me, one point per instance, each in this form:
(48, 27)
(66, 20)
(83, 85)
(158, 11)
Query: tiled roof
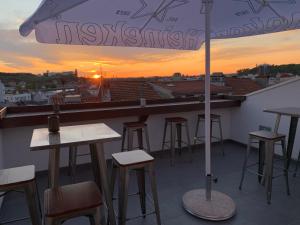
(131, 90)
(194, 87)
(57, 99)
(242, 86)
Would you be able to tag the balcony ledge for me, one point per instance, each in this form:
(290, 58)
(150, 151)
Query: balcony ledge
(31, 116)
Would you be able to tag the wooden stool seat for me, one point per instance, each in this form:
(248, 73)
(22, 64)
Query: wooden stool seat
(72, 198)
(176, 119)
(12, 177)
(135, 124)
(267, 135)
(132, 158)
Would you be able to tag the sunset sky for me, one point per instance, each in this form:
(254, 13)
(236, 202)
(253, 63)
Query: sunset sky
(19, 54)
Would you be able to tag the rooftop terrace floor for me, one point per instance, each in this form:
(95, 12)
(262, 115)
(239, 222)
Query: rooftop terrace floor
(173, 182)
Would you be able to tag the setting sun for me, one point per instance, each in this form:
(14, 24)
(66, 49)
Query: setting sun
(96, 76)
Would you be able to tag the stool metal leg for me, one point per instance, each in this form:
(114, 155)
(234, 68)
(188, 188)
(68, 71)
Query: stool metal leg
(140, 175)
(269, 168)
(164, 136)
(179, 136)
(123, 139)
(123, 195)
(154, 193)
(36, 190)
(72, 162)
(130, 139)
(172, 143)
(113, 179)
(197, 130)
(245, 163)
(221, 136)
(286, 174)
(114, 171)
(51, 221)
(95, 219)
(30, 193)
(187, 130)
(140, 138)
(297, 165)
(147, 139)
(261, 159)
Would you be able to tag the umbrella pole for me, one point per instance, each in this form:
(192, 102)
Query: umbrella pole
(207, 104)
(205, 203)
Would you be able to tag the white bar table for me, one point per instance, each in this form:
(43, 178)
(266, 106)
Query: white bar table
(93, 135)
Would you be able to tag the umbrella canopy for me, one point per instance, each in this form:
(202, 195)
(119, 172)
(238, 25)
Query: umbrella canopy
(170, 24)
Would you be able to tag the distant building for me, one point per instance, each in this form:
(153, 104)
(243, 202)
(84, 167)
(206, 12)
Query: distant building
(183, 89)
(64, 73)
(9, 90)
(40, 97)
(2, 92)
(17, 98)
(177, 76)
(217, 78)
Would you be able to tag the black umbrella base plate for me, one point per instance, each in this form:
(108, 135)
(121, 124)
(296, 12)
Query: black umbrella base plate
(220, 207)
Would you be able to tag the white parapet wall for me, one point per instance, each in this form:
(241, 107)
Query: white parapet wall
(16, 141)
(250, 115)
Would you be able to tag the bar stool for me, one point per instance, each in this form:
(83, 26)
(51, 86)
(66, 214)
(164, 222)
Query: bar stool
(177, 122)
(139, 161)
(75, 200)
(268, 139)
(215, 119)
(138, 127)
(22, 179)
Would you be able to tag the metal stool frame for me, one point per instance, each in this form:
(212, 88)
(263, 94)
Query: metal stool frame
(267, 172)
(173, 132)
(215, 119)
(140, 132)
(140, 170)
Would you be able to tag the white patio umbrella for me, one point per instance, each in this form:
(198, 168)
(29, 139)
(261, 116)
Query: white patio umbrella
(169, 24)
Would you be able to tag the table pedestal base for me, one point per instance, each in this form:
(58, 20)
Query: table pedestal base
(220, 207)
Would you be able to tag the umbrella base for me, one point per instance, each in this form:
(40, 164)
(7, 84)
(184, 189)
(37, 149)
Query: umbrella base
(220, 207)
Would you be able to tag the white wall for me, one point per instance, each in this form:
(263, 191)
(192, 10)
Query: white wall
(16, 141)
(1, 159)
(250, 115)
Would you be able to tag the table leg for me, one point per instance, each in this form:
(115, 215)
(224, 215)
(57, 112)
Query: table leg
(95, 165)
(53, 168)
(261, 159)
(291, 140)
(278, 117)
(99, 160)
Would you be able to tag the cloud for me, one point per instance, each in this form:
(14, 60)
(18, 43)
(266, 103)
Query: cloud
(23, 52)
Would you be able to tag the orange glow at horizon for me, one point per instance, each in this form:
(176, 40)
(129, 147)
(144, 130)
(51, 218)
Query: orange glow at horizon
(227, 56)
